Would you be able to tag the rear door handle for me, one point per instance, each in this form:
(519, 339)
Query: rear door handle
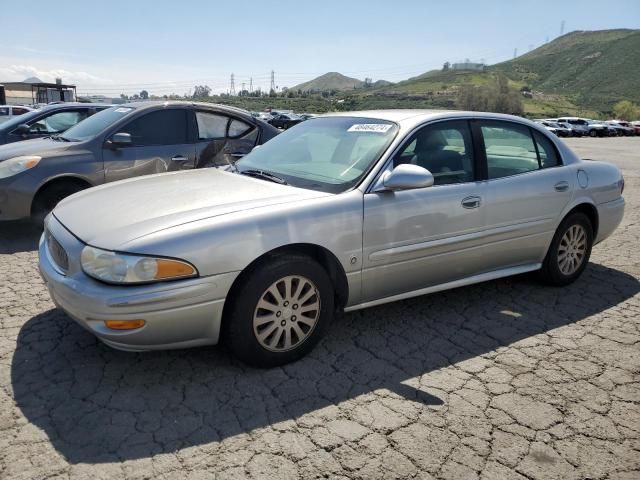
(471, 202)
(179, 158)
(561, 186)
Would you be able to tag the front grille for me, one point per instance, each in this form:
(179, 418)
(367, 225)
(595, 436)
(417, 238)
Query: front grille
(57, 253)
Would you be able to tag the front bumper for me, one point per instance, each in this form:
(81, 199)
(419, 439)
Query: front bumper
(179, 314)
(16, 195)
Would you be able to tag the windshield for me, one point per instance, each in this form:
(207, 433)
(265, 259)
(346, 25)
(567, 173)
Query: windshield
(329, 154)
(95, 124)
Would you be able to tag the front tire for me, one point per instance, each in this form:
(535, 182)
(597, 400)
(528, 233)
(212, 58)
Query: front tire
(47, 199)
(280, 312)
(569, 252)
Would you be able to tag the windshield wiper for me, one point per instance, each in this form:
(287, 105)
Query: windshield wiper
(59, 138)
(264, 175)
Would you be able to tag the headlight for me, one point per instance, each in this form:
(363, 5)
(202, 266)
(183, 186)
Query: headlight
(15, 165)
(114, 267)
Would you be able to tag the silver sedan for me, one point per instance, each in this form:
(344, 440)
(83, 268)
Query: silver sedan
(340, 213)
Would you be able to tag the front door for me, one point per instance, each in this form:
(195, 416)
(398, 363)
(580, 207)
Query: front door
(159, 143)
(414, 239)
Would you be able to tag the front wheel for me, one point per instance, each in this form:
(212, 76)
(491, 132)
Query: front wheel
(570, 250)
(280, 311)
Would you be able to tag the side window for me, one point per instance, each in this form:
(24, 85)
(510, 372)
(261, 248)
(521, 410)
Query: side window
(4, 111)
(19, 111)
(162, 127)
(445, 149)
(238, 128)
(57, 122)
(546, 150)
(211, 126)
(509, 148)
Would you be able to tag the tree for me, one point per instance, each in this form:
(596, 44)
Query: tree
(625, 110)
(497, 96)
(124, 97)
(200, 91)
(144, 94)
(368, 82)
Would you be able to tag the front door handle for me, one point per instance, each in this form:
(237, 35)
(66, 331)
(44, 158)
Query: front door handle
(179, 158)
(471, 202)
(561, 186)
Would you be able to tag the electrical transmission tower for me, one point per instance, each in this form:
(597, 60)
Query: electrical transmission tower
(515, 52)
(232, 87)
(273, 81)
(250, 84)
(562, 28)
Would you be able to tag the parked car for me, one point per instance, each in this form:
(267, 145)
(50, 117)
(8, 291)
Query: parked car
(561, 130)
(342, 212)
(123, 142)
(577, 129)
(622, 128)
(47, 121)
(307, 116)
(585, 126)
(7, 112)
(636, 127)
(265, 116)
(285, 120)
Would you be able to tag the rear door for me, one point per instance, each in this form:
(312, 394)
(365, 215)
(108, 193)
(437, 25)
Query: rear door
(159, 143)
(222, 139)
(526, 190)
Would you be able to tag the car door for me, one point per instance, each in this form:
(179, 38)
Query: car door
(221, 139)
(527, 189)
(50, 123)
(159, 143)
(417, 238)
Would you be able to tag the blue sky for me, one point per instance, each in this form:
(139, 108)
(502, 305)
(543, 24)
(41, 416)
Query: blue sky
(164, 47)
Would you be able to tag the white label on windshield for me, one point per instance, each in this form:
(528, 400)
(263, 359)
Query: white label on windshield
(370, 127)
(123, 110)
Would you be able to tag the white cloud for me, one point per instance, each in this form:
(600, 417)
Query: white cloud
(18, 73)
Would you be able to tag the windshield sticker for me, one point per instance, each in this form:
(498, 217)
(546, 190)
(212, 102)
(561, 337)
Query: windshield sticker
(123, 110)
(370, 127)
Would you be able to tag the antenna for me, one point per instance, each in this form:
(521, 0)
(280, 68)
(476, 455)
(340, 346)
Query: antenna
(562, 28)
(232, 87)
(273, 81)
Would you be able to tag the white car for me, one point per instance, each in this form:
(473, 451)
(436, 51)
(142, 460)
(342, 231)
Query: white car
(7, 112)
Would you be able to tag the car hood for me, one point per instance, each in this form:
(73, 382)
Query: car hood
(44, 147)
(111, 215)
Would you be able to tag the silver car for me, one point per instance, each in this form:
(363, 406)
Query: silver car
(340, 213)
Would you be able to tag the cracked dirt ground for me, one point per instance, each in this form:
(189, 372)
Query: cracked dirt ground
(508, 379)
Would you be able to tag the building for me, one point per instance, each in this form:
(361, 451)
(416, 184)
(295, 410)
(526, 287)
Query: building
(467, 65)
(33, 90)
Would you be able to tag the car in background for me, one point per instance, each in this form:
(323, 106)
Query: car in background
(47, 121)
(555, 128)
(636, 127)
(285, 120)
(586, 126)
(343, 212)
(307, 116)
(622, 127)
(7, 112)
(123, 142)
(577, 127)
(264, 116)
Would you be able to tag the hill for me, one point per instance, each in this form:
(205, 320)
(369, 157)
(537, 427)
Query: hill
(598, 68)
(329, 81)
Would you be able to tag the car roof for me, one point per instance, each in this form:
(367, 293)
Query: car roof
(182, 103)
(60, 106)
(410, 118)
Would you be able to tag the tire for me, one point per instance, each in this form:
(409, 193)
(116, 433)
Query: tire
(559, 266)
(593, 133)
(292, 277)
(49, 197)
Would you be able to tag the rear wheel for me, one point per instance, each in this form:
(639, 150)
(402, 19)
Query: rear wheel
(570, 250)
(593, 133)
(280, 312)
(49, 197)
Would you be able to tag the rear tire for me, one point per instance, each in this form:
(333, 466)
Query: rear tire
(49, 197)
(280, 312)
(569, 252)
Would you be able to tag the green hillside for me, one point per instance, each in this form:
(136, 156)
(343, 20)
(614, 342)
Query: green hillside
(597, 68)
(329, 81)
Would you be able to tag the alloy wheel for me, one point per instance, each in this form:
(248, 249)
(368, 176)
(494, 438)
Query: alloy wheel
(572, 249)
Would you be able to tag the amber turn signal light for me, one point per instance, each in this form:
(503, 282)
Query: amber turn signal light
(124, 324)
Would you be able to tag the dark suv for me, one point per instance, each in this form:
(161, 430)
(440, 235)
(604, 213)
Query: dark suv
(49, 120)
(123, 142)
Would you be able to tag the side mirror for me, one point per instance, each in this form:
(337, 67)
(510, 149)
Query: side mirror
(405, 177)
(120, 139)
(22, 129)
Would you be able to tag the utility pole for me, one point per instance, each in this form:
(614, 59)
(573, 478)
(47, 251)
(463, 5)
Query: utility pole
(273, 81)
(232, 87)
(242, 87)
